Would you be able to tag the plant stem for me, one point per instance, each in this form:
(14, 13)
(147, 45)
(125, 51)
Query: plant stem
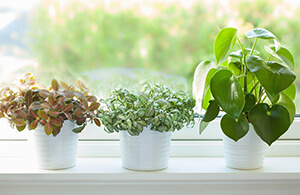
(252, 50)
(241, 46)
(261, 95)
(243, 65)
(269, 57)
(241, 70)
(246, 69)
(264, 98)
(254, 87)
(240, 76)
(245, 79)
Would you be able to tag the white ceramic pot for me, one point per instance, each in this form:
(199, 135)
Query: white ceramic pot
(148, 151)
(246, 153)
(58, 152)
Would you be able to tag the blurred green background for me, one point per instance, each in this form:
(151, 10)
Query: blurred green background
(125, 43)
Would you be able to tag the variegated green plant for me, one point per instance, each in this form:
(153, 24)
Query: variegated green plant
(250, 87)
(32, 105)
(154, 105)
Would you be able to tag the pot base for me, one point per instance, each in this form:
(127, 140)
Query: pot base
(54, 153)
(141, 170)
(247, 153)
(245, 169)
(54, 168)
(149, 151)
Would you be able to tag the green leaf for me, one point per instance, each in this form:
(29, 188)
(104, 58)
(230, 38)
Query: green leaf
(199, 77)
(79, 129)
(32, 113)
(64, 85)
(228, 92)
(44, 93)
(51, 99)
(236, 54)
(46, 106)
(79, 94)
(33, 124)
(42, 114)
(55, 121)
(235, 67)
(56, 130)
(69, 116)
(19, 121)
(28, 98)
(234, 128)
(48, 128)
(140, 127)
(94, 106)
(250, 101)
(223, 44)
(97, 122)
(129, 123)
(239, 53)
(53, 113)
(69, 107)
(291, 91)
(274, 77)
(68, 93)
(207, 96)
(80, 121)
(78, 112)
(269, 122)
(92, 99)
(284, 55)
(202, 126)
(212, 111)
(21, 114)
(85, 103)
(55, 85)
(288, 103)
(260, 33)
(191, 103)
(21, 128)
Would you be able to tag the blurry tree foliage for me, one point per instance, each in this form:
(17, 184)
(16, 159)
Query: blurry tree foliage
(169, 37)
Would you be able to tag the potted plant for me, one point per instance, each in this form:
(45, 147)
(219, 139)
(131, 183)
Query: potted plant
(54, 115)
(145, 122)
(255, 91)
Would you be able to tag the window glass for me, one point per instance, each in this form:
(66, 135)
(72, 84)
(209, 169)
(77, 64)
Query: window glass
(112, 44)
(123, 43)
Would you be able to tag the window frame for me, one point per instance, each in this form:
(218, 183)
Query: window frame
(94, 142)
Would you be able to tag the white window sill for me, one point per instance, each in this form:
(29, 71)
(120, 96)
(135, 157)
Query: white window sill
(183, 176)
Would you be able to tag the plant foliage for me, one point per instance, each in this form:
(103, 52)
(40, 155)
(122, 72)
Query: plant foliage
(154, 105)
(32, 105)
(250, 88)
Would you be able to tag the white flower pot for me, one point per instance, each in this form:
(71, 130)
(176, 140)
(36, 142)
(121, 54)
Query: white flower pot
(148, 151)
(246, 153)
(58, 152)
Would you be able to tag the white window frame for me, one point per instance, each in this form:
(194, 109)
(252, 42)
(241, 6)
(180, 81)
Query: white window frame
(94, 142)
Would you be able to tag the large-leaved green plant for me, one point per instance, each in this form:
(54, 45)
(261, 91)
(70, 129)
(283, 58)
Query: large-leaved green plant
(250, 87)
(154, 105)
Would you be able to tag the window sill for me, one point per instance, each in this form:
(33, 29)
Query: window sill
(183, 176)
